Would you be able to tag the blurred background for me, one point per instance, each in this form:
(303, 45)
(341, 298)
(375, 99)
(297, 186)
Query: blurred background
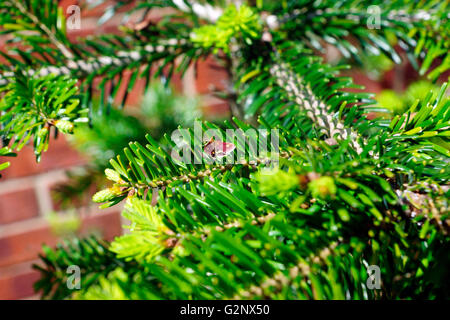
(51, 201)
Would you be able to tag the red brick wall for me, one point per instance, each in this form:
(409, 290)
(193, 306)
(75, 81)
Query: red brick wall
(25, 186)
(24, 200)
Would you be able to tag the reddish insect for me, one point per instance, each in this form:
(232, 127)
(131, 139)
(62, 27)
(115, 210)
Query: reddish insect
(218, 149)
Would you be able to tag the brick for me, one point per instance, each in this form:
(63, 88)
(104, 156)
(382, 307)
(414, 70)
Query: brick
(64, 4)
(25, 244)
(16, 282)
(18, 205)
(59, 155)
(108, 224)
(210, 76)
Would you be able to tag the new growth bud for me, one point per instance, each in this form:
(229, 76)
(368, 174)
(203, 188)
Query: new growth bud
(106, 195)
(64, 126)
(112, 175)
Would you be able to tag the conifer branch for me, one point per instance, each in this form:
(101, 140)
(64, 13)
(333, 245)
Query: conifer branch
(85, 67)
(280, 280)
(315, 108)
(51, 35)
(348, 192)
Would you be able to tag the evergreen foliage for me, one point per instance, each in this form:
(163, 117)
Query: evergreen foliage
(108, 133)
(349, 192)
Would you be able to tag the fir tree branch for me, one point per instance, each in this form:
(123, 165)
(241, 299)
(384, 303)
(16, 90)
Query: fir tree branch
(280, 280)
(315, 108)
(83, 68)
(166, 182)
(51, 36)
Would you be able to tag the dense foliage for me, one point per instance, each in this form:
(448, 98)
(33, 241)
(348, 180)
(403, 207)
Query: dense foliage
(349, 191)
